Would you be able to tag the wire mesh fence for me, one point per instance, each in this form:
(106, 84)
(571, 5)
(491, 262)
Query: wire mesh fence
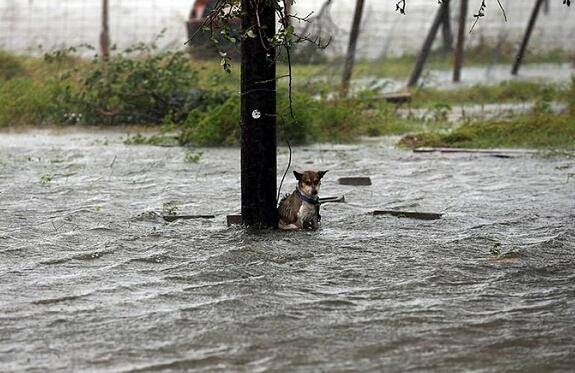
(36, 26)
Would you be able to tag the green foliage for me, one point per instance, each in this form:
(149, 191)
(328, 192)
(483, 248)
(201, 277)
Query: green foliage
(571, 96)
(133, 87)
(315, 120)
(10, 66)
(170, 208)
(217, 125)
(46, 179)
(157, 140)
(25, 101)
(509, 91)
(540, 130)
(193, 157)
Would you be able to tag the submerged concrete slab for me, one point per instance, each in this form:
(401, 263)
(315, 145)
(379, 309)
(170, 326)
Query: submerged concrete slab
(357, 181)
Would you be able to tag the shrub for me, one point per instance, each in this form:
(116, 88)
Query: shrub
(315, 120)
(10, 66)
(133, 87)
(25, 101)
(217, 125)
(542, 130)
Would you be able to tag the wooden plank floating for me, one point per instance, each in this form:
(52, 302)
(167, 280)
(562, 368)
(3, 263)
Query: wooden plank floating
(398, 98)
(332, 199)
(409, 214)
(234, 220)
(354, 181)
(480, 151)
(171, 218)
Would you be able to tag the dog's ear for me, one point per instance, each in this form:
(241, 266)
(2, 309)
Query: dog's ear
(297, 175)
(321, 173)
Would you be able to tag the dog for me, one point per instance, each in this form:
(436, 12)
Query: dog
(300, 210)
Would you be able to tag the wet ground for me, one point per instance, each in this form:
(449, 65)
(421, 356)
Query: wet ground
(92, 279)
(544, 73)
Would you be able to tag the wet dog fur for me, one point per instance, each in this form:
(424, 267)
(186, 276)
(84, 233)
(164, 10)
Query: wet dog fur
(300, 209)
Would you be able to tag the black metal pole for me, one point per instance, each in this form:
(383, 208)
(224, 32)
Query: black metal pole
(105, 32)
(422, 57)
(458, 57)
(350, 56)
(258, 116)
(526, 37)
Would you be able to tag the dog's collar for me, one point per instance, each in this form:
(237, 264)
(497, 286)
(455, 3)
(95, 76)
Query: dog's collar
(310, 200)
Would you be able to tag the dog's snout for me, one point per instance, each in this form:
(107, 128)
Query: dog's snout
(314, 192)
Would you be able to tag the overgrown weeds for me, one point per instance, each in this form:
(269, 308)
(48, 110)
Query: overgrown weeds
(543, 130)
(199, 104)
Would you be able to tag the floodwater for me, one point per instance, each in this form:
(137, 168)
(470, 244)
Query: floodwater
(92, 279)
(543, 73)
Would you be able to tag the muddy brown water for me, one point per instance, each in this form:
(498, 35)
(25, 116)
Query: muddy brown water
(92, 279)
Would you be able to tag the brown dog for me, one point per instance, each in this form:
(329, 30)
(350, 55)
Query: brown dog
(301, 208)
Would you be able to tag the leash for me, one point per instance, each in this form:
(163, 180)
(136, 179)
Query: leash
(289, 161)
(313, 201)
(310, 200)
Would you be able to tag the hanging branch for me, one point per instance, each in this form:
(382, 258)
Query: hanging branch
(400, 7)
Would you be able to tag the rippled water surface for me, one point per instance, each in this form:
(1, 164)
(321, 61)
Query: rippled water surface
(92, 279)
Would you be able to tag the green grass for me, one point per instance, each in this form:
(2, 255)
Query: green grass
(25, 101)
(510, 92)
(399, 67)
(30, 89)
(543, 131)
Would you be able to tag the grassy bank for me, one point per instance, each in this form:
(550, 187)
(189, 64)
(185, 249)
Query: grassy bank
(199, 101)
(535, 131)
(542, 128)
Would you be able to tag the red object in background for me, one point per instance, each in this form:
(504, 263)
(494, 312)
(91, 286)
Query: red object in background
(199, 9)
(199, 42)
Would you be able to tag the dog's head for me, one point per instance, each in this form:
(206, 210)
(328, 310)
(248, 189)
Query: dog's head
(309, 182)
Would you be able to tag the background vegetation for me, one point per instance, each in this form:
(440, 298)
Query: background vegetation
(198, 103)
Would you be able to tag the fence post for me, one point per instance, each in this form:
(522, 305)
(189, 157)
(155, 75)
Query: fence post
(258, 116)
(526, 37)
(105, 32)
(458, 57)
(350, 56)
(446, 28)
(422, 57)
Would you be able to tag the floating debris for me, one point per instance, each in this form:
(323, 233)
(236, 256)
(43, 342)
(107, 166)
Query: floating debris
(356, 181)
(332, 199)
(171, 218)
(409, 214)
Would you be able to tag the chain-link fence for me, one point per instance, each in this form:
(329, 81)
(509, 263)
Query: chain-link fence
(35, 26)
